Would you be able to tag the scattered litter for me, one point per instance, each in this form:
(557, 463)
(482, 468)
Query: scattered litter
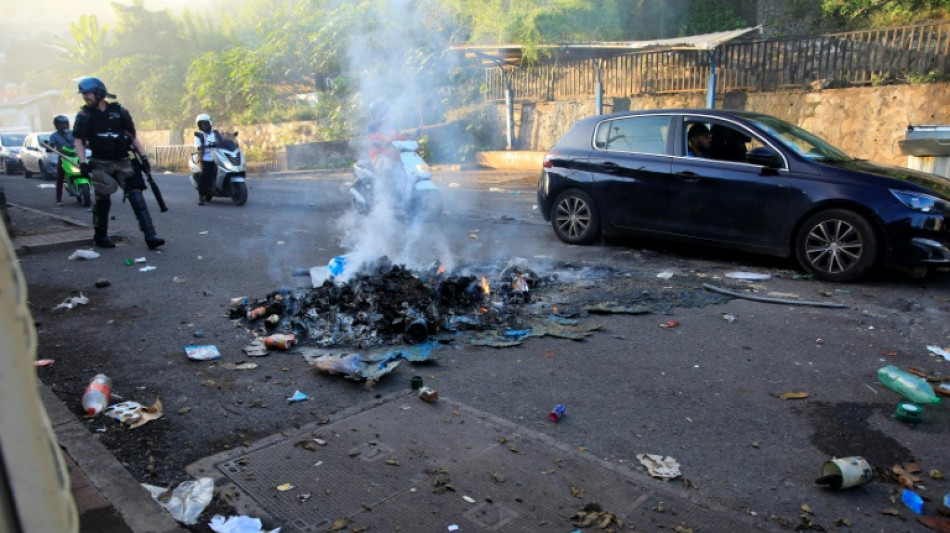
(793, 395)
(285, 487)
(281, 243)
(469, 499)
(593, 515)
(238, 524)
(46, 186)
(497, 189)
(69, 303)
(43, 362)
(134, 414)
(719, 290)
(198, 333)
(202, 353)
(298, 397)
(936, 350)
(187, 500)
(280, 341)
(140, 260)
(728, 317)
(83, 254)
(256, 348)
(669, 324)
(748, 276)
(428, 395)
(454, 185)
(666, 274)
(205, 232)
(147, 268)
(557, 413)
(913, 501)
(660, 467)
(453, 527)
(102, 283)
(176, 279)
(239, 366)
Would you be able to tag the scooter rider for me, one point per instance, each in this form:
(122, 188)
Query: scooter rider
(61, 138)
(107, 129)
(206, 139)
(385, 158)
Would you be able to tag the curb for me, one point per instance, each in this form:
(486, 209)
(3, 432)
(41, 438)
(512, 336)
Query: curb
(140, 512)
(60, 240)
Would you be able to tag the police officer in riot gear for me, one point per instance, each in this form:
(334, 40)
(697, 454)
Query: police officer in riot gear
(107, 129)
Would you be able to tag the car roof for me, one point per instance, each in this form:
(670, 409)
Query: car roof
(687, 111)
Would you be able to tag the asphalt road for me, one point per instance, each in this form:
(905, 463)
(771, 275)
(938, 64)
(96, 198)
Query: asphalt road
(705, 392)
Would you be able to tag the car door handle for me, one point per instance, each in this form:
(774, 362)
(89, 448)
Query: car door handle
(610, 166)
(687, 176)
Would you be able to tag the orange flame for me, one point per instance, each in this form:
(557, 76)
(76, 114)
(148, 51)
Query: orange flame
(486, 287)
(441, 270)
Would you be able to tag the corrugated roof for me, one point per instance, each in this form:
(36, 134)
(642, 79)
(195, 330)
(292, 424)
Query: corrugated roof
(512, 52)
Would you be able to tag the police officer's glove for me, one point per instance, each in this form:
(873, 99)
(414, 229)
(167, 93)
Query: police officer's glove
(85, 170)
(146, 166)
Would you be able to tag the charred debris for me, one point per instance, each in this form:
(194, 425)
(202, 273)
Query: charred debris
(384, 304)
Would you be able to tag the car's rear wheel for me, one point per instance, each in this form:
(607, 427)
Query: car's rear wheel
(575, 218)
(836, 245)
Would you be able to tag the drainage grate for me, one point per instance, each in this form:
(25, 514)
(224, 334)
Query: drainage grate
(405, 465)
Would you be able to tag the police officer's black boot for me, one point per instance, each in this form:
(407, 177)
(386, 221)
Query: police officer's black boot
(100, 222)
(137, 201)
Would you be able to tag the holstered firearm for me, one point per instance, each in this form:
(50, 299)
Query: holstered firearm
(138, 167)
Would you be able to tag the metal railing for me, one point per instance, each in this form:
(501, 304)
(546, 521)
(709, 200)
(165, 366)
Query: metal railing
(846, 58)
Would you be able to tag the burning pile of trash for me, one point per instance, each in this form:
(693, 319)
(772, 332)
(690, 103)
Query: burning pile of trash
(390, 313)
(385, 303)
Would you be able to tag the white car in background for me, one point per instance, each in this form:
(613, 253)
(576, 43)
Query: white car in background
(36, 159)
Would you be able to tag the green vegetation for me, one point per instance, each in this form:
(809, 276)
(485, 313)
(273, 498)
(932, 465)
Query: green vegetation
(856, 14)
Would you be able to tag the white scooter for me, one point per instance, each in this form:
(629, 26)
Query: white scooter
(425, 201)
(232, 169)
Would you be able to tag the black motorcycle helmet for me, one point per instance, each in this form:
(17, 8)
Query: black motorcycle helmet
(94, 86)
(60, 122)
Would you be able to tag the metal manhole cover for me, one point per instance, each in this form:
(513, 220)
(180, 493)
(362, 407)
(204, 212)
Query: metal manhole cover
(406, 465)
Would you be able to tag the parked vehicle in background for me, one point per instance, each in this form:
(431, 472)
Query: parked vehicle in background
(767, 186)
(36, 158)
(10, 145)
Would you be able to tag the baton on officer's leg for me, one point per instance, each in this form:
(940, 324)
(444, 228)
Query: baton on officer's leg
(137, 164)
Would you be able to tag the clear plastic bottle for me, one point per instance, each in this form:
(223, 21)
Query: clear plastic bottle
(96, 396)
(912, 387)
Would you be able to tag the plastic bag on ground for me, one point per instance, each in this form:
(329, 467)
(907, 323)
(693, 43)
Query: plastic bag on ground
(69, 303)
(238, 524)
(187, 500)
(83, 254)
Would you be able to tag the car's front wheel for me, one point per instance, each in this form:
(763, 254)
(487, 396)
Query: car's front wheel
(836, 245)
(575, 218)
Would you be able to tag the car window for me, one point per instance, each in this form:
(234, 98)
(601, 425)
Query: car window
(633, 134)
(12, 140)
(727, 142)
(804, 143)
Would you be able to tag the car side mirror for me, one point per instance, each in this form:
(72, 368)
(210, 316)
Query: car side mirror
(766, 157)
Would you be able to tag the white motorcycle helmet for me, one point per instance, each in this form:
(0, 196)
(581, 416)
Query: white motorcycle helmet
(204, 117)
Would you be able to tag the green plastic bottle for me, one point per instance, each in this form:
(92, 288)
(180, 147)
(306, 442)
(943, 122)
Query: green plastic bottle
(912, 387)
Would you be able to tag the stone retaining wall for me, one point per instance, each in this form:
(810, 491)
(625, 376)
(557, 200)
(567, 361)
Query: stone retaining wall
(865, 122)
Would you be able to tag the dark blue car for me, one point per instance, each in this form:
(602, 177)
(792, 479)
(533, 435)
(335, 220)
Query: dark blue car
(764, 186)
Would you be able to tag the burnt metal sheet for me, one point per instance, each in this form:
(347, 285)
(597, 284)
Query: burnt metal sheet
(407, 465)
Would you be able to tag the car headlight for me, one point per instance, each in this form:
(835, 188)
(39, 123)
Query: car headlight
(924, 203)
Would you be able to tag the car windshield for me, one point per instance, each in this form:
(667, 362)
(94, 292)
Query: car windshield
(12, 140)
(802, 142)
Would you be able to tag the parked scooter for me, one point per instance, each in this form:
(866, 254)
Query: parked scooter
(76, 185)
(424, 202)
(232, 170)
